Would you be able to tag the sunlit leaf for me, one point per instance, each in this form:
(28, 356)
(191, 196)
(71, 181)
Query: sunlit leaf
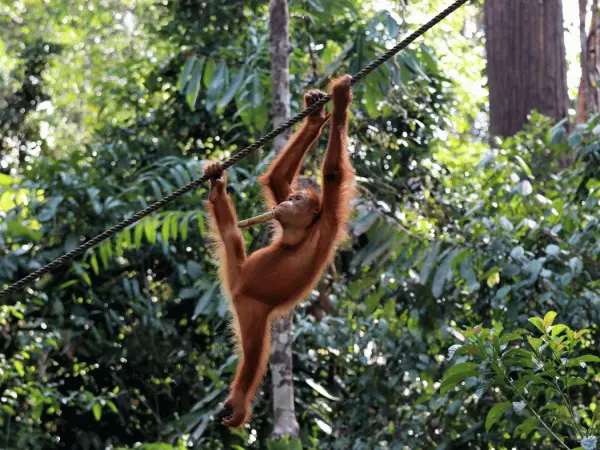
(166, 227)
(493, 279)
(537, 322)
(452, 350)
(320, 389)
(549, 319)
(97, 410)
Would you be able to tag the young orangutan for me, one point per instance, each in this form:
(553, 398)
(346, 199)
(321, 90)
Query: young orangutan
(271, 281)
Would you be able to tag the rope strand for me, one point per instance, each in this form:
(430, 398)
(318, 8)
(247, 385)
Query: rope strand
(62, 260)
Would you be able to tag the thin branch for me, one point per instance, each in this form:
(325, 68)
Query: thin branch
(537, 416)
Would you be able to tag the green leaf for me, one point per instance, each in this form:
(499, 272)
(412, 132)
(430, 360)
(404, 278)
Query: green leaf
(553, 250)
(194, 269)
(549, 319)
(557, 135)
(372, 301)
(202, 305)
(209, 71)
(524, 166)
(576, 266)
(461, 367)
(505, 339)
(150, 230)
(97, 410)
(193, 87)
(233, 89)
(452, 350)
(583, 359)
(495, 414)
(71, 242)
(185, 73)
(166, 226)
(468, 274)
(137, 235)
(371, 100)
(189, 293)
(443, 273)
(449, 382)
(429, 262)
(219, 80)
(493, 279)
(16, 229)
(38, 409)
(9, 409)
(503, 292)
(575, 139)
(389, 309)
(280, 444)
(6, 180)
(184, 227)
(86, 278)
(256, 98)
(523, 430)
(571, 381)
(49, 212)
(201, 227)
(320, 389)
(19, 367)
(535, 343)
(517, 253)
(537, 322)
(17, 314)
(174, 227)
(94, 264)
(557, 329)
(524, 188)
(112, 406)
(518, 353)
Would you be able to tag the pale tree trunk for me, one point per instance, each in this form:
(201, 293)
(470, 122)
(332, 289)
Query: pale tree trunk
(281, 353)
(526, 62)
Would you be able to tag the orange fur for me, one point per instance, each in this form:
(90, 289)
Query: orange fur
(270, 282)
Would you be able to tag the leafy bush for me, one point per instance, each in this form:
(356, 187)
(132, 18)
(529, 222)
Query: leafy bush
(537, 376)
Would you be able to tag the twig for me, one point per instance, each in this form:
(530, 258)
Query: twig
(537, 416)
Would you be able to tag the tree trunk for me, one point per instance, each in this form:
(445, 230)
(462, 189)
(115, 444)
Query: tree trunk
(588, 102)
(585, 73)
(527, 66)
(281, 353)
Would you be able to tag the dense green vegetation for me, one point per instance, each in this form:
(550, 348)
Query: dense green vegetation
(107, 106)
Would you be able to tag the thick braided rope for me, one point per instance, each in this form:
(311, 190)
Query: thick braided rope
(230, 162)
